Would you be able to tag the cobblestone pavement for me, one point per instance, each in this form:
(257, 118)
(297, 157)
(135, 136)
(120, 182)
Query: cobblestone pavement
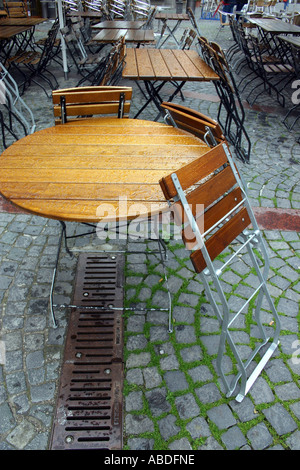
(173, 398)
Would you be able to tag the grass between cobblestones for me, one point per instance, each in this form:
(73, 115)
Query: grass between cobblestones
(206, 359)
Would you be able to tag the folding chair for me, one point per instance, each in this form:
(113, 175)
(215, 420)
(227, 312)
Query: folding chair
(108, 71)
(193, 20)
(35, 64)
(140, 10)
(208, 201)
(273, 72)
(75, 103)
(202, 126)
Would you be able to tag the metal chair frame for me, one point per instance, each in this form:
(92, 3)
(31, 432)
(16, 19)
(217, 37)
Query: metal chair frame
(35, 63)
(209, 202)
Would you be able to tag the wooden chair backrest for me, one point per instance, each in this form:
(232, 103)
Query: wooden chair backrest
(90, 101)
(16, 9)
(194, 122)
(213, 195)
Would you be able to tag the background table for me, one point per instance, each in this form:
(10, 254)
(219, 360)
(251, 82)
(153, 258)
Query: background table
(291, 40)
(167, 18)
(66, 172)
(119, 24)
(165, 65)
(26, 21)
(275, 26)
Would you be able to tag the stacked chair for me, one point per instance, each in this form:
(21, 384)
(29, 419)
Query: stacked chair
(231, 114)
(140, 9)
(293, 54)
(18, 119)
(265, 65)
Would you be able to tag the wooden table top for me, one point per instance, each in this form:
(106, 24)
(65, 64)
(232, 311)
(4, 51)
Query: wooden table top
(166, 64)
(118, 24)
(110, 36)
(172, 16)
(292, 40)
(7, 32)
(76, 170)
(29, 21)
(275, 26)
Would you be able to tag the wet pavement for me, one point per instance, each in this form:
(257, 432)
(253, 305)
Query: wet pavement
(173, 398)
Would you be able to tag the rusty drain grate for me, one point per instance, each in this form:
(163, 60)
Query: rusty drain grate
(89, 406)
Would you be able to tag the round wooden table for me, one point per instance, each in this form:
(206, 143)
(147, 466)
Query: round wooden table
(95, 168)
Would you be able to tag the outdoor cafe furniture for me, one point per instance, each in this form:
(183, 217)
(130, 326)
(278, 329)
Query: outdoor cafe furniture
(134, 36)
(156, 67)
(69, 103)
(33, 64)
(17, 33)
(119, 24)
(95, 169)
(18, 119)
(270, 27)
(166, 18)
(210, 205)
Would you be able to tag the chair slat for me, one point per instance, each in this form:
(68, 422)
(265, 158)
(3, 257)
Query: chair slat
(194, 171)
(210, 217)
(87, 101)
(221, 239)
(91, 109)
(206, 194)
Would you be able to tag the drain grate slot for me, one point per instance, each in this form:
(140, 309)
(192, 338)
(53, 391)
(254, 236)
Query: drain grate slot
(89, 406)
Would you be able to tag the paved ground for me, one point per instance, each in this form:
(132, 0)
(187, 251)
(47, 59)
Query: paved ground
(173, 398)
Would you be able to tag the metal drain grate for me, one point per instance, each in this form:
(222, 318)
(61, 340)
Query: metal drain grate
(89, 406)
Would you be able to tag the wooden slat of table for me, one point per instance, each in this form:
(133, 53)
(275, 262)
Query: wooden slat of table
(7, 32)
(21, 21)
(166, 64)
(174, 64)
(275, 26)
(292, 40)
(204, 69)
(172, 16)
(144, 65)
(68, 171)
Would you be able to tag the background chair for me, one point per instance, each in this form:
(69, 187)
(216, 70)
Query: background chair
(231, 113)
(208, 201)
(33, 64)
(194, 122)
(75, 103)
(16, 9)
